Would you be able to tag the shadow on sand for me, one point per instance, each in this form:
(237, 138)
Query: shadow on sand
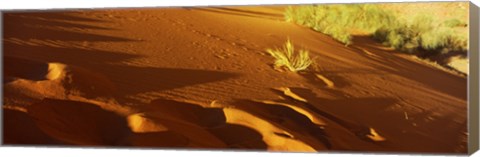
(129, 80)
(449, 84)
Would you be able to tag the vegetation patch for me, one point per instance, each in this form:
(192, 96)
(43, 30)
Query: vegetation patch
(340, 20)
(424, 33)
(289, 58)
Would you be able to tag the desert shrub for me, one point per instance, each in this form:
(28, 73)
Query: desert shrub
(435, 39)
(421, 34)
(338, 21)
(289, 58)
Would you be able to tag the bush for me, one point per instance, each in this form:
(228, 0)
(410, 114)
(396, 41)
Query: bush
(287, 57)
(339, 20)
(422, 34)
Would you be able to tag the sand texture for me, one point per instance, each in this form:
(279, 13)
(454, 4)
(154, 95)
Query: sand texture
(200, 78)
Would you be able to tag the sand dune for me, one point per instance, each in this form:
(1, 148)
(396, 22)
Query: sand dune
(200, 78)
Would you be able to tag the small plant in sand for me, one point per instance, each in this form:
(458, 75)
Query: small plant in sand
(289, 58)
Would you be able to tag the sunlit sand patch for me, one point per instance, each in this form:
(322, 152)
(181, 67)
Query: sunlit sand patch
(461, 64)
(290, 94)
(141, 124)
(375, 136)
(55, 71)
(328, 82)
(274, 141)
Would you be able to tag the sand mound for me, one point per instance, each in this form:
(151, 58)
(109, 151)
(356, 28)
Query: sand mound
(224, 125)
(187, 119)
(295, 125)
(141, 124)
(35, 80)
(276, 138)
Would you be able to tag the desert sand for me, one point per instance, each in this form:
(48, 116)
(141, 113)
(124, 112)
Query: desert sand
(200, 78)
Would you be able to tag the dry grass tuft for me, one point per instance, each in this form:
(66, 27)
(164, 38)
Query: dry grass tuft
(287, 57)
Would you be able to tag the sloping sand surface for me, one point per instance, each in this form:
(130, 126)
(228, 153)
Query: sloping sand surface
(200, 78)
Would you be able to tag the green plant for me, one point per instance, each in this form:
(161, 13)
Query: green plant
(338, 21)
(289, 58)
(422, 34)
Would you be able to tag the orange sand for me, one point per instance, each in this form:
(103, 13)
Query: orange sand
(200, 78)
